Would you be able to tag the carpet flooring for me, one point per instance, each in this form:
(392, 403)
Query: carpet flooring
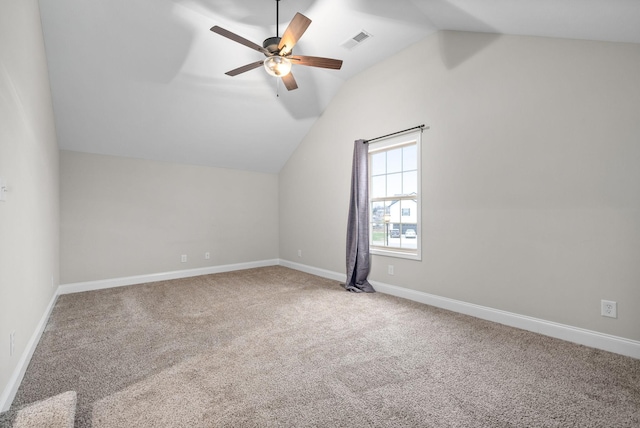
(55, 412)
(274, 347)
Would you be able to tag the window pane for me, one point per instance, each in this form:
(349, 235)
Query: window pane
(378, 186)
(378, 163)
(393, 225)
(409, 227)
(410, 183)
(377, 223)
(394, 184)
(410, 162)
(394, 160)
(377, 212)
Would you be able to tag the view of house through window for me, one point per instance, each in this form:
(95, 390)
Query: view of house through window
(394, 196)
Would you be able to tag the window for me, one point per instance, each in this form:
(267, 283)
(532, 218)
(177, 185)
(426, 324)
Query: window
(394, 195)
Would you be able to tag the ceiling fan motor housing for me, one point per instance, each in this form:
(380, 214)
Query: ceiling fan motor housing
(271, 44)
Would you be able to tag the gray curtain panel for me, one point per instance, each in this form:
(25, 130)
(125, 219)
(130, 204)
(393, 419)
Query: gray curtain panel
(358, 225)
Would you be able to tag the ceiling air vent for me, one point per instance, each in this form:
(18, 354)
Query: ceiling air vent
(356, 40)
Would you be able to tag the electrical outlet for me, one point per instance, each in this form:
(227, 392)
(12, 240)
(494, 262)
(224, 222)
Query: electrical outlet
(12, 342)
(207, 255)
(609, 308)
(299, 253)
(390, 270)
(183, 259)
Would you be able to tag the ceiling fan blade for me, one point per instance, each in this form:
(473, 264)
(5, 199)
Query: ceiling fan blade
(292, 34)
(244, 68)
(233, 36)
(316, 61)
(289, 82)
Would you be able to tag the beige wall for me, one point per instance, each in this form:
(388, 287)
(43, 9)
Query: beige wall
(531, 177)
(29, 219)
(122, 217)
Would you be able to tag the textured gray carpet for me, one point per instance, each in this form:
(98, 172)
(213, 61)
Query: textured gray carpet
(276, 347)
(55, 412)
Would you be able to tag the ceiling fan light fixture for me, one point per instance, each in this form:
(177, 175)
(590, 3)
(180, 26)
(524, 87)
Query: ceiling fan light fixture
(277, 66)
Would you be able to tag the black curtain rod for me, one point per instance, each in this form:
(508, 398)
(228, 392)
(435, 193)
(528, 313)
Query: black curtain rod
(395, 133)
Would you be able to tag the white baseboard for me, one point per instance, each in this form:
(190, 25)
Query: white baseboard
(16, 377)
(342, 277)
(589, 338)
(78, 287)
(593, 339)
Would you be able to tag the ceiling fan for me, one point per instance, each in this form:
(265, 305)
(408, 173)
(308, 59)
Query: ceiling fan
(278, 51)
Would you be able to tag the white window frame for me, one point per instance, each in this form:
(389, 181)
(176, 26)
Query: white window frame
(387, 144)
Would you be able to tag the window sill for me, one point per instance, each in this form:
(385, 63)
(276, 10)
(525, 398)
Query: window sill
(395, 253)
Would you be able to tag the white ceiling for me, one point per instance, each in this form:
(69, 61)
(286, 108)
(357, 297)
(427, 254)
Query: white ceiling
(145, 78)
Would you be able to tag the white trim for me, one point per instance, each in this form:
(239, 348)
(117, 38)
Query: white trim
(342, 277)
(388, 252)
(593, 339)
(12, 386)
(389, 143)
(78, 287)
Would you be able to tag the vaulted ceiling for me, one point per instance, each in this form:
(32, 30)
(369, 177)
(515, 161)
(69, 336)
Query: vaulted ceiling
(145, 78)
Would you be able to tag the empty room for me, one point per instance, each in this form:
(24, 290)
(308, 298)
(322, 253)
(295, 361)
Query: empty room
(318, 213)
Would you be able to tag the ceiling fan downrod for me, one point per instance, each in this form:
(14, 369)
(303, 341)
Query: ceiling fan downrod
(277, 18)
(271, 43)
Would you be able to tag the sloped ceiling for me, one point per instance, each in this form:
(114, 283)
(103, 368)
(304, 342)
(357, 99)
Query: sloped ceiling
(145, 78)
